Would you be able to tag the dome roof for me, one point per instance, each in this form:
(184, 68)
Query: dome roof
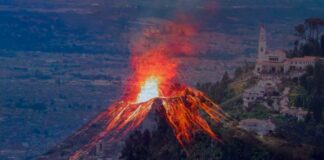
(279, 52)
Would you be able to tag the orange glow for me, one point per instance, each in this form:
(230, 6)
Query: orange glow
(153, 53)
(151, 86)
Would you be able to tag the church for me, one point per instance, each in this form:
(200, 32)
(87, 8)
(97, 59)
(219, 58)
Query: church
(276, 62)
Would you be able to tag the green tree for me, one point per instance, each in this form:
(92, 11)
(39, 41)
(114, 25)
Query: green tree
(137, 146)
(238, 72)
(322, 45)
(226, 79)
(316, 108)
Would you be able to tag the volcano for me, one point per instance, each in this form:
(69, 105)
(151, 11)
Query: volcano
(181, 109)
(152, 87)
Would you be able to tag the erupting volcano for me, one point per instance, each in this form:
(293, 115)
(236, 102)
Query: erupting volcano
(154, 86)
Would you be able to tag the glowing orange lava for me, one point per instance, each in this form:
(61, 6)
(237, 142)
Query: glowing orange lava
(151, 87)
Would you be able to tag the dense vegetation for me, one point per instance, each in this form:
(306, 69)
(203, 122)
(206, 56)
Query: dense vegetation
(311, 40)
(308, 92)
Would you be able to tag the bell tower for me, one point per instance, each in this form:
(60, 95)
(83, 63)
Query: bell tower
(262, 43)
(262, 50)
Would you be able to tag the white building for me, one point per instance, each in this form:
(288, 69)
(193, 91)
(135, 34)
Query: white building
(276, 62)
(252, 95)
(299, 113)
(271, 67)
(260, 91)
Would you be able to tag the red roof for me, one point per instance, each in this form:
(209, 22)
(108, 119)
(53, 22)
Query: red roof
(306, 58)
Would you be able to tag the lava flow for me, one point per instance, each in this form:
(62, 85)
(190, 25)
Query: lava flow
(152, 87)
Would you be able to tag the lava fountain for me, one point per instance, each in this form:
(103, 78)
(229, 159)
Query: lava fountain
(152, 86)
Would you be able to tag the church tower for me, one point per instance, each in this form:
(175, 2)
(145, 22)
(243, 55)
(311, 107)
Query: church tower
(262, 50)
(262, 44)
